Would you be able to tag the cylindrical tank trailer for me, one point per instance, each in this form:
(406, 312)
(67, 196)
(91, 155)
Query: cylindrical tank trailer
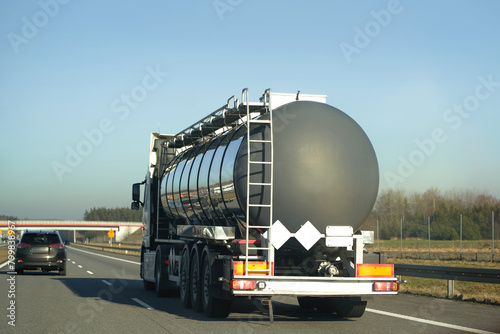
(325, 172)
(260, 200)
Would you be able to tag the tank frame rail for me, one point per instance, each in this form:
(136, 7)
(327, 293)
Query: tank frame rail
(313, 286)
(225, 117)
(253, 145)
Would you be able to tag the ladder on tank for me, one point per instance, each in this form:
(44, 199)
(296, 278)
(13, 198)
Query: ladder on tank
(254, 145)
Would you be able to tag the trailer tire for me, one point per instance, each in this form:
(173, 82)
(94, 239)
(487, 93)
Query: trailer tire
(185, 281)
(212, 306)
(350, 307)
(307, 302)
(195, 286)
(326, 304)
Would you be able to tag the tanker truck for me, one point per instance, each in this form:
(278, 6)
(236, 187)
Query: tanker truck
(260, 200)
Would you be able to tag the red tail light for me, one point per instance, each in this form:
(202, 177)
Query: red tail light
(23, 245)
(385, 286)
(60, 246)
(243, 284)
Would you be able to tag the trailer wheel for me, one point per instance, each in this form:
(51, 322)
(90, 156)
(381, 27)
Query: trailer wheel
(195, 282)
(212, 306)
(322, 304)
(350, 307)
(307, 302)
(185, 281)
(326, 304)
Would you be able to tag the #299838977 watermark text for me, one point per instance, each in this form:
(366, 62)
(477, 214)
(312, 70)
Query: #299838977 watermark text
(11, 277)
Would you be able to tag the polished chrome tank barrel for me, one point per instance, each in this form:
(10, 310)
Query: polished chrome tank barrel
(325, 172)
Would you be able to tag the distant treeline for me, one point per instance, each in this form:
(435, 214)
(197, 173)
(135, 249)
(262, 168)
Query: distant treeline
(115, 214)
(11, 218)
(443, 209)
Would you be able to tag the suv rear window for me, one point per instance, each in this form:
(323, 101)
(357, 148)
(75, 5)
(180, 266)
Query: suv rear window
(40, 238)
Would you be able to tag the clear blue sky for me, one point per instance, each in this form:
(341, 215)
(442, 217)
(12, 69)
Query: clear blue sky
(421, 77)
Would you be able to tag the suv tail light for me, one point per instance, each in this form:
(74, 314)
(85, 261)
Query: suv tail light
(60, 246)
(23, 245)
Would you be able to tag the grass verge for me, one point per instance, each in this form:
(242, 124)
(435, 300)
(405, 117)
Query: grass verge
(115, 245)
(487, 293)
(436, 245)
(3, 254)
(129, 250)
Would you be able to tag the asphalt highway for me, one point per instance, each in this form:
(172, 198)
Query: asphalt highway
(103, 293)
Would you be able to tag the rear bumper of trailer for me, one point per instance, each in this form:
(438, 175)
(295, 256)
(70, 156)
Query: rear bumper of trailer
(246, 285)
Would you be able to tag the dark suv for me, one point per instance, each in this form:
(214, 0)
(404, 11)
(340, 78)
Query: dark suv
(41, 250)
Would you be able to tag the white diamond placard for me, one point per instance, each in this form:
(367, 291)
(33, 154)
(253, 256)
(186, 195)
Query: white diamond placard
(279, 234)
(308, 235)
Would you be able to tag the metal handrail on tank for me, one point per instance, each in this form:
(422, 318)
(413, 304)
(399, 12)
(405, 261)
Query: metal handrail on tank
(244, 93)
(224, 116)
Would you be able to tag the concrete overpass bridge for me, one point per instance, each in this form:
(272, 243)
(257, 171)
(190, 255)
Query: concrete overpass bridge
(121, 229)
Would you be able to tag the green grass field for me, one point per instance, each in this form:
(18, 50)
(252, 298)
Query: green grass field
(474, 250)
(438, 245)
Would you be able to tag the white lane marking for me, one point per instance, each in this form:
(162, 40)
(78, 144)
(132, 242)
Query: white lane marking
(109, 257)
(106, 282)
(79, 266)
(73, 262)
(91, 273)
(430, 322)
(140, 302)
(4, 264)
(69, 259)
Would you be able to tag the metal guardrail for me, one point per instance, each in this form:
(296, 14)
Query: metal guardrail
(449, 273)
(138, 250)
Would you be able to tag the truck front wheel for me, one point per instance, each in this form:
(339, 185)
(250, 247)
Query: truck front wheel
(147, 284)
(162, 285)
